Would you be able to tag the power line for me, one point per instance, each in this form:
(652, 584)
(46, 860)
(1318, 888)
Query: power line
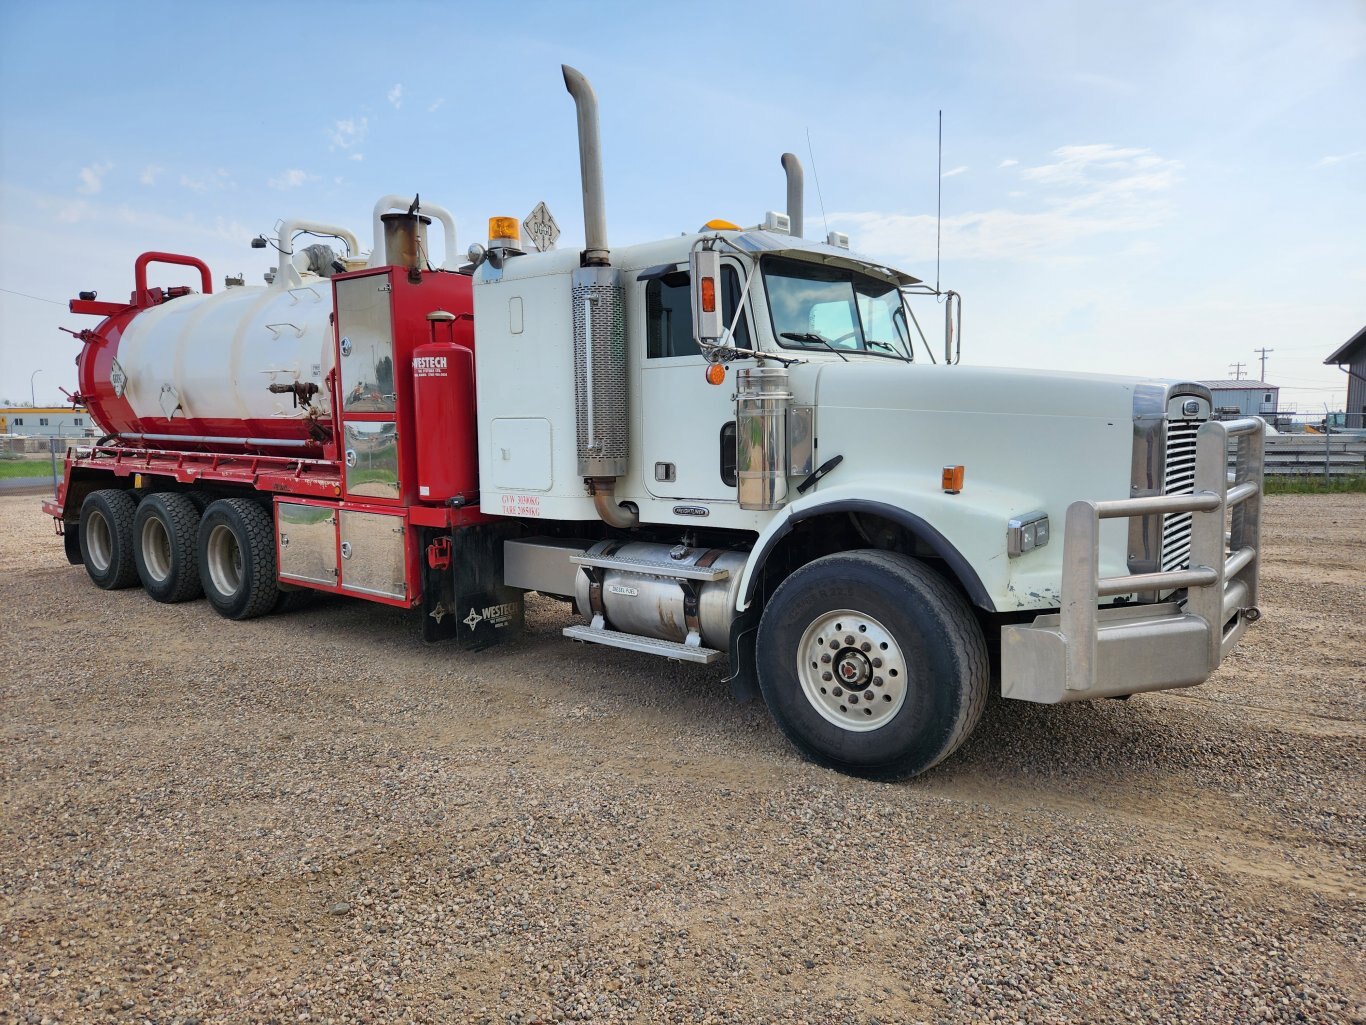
(35, 298)
(1237, 369)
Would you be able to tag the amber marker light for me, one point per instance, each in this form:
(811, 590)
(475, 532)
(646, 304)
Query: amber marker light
(953, 479)
(504, 228)
(709, 295)
(720, 224)
(716, 373)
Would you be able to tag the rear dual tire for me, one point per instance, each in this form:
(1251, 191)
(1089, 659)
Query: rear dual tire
(236, 550)
(166, 533)
(106, 538)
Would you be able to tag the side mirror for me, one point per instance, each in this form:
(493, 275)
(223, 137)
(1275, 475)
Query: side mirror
(705, 268)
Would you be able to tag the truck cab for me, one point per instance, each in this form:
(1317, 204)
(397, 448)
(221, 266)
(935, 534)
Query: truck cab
(727, 445)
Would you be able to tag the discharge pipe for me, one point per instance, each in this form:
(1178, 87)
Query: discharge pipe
(387, 203)
(795, 201)
(595, 253)
(286, 276)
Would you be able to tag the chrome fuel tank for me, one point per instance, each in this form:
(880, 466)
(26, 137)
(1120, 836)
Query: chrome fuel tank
(660, 591)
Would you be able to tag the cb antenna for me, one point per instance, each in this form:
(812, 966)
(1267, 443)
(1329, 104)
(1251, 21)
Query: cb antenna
(816, 174)
(939, 203)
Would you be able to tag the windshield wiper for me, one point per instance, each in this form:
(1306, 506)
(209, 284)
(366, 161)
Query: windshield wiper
(810, 337)
(889, 347)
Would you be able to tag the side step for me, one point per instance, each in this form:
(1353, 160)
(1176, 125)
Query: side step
(651, 569)
(648, 645)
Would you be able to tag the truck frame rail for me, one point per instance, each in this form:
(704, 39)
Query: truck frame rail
(1086, 651)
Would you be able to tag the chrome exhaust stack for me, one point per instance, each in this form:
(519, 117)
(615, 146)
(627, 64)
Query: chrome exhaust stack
(795, 187)
(595, 253)
(599, 299)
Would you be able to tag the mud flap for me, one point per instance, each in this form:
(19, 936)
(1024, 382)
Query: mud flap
(744, 672)
(464, 598)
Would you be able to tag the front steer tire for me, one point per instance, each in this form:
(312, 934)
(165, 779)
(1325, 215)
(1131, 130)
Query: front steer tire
(236, 551)
(106, 538)
(872, 664)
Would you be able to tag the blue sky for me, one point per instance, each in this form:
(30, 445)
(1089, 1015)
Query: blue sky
(1153, 189)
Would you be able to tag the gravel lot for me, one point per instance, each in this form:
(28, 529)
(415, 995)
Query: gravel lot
(312, 817)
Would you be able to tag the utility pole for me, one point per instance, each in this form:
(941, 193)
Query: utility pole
(33, 401)
(1237, 369)
(1262, 353)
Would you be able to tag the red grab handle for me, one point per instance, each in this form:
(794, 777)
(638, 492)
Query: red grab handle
(141, 295)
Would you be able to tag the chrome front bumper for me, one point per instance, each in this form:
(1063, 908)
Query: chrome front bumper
(1085, 651)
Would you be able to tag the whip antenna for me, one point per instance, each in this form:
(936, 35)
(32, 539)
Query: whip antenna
(816, 174)
(939, 203)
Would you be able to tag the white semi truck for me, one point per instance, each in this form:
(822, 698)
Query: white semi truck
(722, 447)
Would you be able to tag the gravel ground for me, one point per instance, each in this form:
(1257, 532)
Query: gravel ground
(312, 817)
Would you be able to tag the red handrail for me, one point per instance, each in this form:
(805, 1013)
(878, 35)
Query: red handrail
(142, 295)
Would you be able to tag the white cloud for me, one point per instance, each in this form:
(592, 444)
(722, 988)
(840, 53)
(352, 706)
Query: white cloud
(348, 132)
(150, 173)
(436, 105)
(70, 213)
(956, 170)
(1087, 191)
(1007, 163)
(291, 179)
(215, 180)
(1099, 171)
(92, 178)
(357, 156)
(1341, 158)
(396, 95)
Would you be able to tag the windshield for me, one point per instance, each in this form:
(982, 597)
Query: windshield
(818, 307)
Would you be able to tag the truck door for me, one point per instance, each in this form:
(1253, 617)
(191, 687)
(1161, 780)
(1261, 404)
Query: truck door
(688, 424)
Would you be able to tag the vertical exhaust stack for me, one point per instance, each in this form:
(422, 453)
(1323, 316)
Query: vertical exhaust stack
(599, 299)
(795, 200)
(596, 253)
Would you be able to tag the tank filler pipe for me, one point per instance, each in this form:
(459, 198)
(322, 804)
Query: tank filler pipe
(440, 213)
(286, 276)
(596, 253)
(795, 200)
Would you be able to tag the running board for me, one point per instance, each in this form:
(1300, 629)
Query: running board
(651, 569)
(648, 645)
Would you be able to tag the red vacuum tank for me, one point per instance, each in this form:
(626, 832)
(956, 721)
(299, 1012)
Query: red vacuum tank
(443, 406)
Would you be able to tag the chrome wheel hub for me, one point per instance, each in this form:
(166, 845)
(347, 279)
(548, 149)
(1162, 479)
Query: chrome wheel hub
(852, 670)
(99, 541)
(225, 561)
(156, 549)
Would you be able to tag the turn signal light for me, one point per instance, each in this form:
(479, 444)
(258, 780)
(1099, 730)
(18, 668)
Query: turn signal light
(720, 224)
(708, 295)
(953, 479)
(716, 373)
(504, 228)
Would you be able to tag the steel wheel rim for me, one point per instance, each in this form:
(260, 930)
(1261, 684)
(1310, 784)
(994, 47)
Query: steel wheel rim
(852, 670)
(156, 549)
(225, 560)
(99, 542)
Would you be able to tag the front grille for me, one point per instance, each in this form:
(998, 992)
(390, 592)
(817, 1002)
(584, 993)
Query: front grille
(1178, 479)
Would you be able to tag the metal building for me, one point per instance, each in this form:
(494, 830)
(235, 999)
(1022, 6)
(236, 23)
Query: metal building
(46, 421)
(1233, 399)
(1351, 357)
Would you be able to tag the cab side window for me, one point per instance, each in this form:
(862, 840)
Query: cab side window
(668, 314)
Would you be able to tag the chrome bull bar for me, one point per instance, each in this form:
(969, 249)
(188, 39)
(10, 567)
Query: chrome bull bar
(1085, 651)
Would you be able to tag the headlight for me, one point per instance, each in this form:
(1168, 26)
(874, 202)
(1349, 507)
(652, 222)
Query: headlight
(1027, 532)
